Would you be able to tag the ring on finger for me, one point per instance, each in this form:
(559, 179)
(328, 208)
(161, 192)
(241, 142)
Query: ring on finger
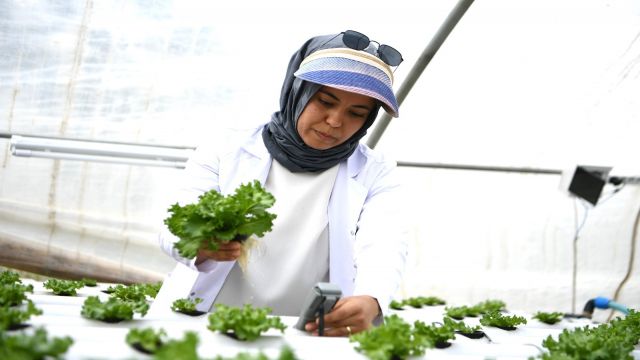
(348, 329)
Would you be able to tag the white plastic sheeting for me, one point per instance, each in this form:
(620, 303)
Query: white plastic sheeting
(535, 84)
(532, 83)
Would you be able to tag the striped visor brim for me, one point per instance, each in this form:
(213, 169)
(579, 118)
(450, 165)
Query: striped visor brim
(351, 70)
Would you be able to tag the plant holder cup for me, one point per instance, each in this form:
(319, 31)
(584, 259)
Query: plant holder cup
(232, 335)
(63, 294)
(477, 334)
(20, 326)
(109, 320)
(191, 313)
(140, 348)
(442, 344)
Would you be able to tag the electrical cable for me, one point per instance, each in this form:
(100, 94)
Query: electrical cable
(612, 194)
(632, 255)
(574, 274)
(619, 185)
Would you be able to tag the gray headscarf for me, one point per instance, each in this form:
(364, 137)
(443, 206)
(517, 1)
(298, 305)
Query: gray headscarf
(281, 136)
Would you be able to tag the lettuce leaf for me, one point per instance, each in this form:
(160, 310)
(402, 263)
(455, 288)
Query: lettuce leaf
(217, 218)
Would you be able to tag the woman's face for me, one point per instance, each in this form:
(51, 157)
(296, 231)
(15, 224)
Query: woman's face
(332, 116)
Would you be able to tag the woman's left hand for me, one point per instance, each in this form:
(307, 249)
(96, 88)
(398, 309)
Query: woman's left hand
(351, 315)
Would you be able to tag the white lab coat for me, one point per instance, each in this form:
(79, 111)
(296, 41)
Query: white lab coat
(367, 241)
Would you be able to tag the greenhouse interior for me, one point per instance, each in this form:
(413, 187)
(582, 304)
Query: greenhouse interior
(466, 172)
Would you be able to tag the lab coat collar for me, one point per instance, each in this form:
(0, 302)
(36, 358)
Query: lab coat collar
(356, 162)
(254, 145)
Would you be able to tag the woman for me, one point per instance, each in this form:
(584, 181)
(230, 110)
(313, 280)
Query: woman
(337, 204)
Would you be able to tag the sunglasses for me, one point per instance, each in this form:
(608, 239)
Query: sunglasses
(360, 41)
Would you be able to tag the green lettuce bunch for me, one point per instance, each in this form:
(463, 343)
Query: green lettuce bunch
(217, 218)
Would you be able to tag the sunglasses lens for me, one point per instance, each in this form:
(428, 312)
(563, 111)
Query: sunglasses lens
(355, 40)
(360, 41)
(389, 55)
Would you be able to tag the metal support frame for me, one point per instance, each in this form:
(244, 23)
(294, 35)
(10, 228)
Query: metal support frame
(99, 151)
(427, 54)
(479, 168)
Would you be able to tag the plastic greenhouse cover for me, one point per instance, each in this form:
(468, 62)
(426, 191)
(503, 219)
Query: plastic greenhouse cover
(528, 83)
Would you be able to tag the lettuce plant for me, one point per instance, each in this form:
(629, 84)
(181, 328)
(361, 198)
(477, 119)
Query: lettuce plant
(63, 287)
(497, 319)
(243, 323)
(432, 335)
(186, 306)
(464, 329)
(392, 340)
(12, 294)
(614, 340)
(113, 310)
(147, 340)
(548, 317)
(33, 346)
(218, 218)
(12, 317)
(185, 349)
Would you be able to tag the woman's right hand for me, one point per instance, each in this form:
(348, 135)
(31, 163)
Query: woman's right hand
(226, 252)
